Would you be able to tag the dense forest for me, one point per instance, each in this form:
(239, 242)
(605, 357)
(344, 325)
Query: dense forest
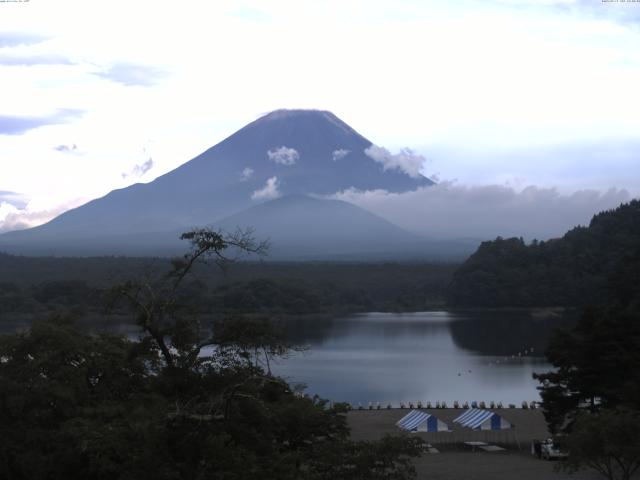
(571, 271)
(580, 268)
(30, 285)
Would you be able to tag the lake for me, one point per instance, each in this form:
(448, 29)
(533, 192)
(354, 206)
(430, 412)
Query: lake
(426, 356)
(394, 357)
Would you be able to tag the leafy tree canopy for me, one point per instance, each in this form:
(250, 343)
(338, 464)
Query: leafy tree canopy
(573, 271)
(592, 396)
(182, 402)
(608, 442)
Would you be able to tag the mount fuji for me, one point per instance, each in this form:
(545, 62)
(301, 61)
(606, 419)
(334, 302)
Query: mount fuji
(271, 175)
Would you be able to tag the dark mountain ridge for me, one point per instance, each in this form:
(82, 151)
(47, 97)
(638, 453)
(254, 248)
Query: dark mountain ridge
(581, 268)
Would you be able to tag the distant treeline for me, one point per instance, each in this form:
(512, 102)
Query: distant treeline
(579, 269)
(30, 285)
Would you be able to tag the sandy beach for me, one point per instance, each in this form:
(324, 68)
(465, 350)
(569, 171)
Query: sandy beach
(456, 460)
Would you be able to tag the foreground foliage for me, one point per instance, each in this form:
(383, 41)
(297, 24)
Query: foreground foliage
(182, 402)
(75, 405)
(592, 398)
(607, 441)
(597, 366)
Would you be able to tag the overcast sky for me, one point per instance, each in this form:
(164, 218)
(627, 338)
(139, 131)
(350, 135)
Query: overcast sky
(493, 93)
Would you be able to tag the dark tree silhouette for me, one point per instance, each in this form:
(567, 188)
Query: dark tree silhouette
(180, 403)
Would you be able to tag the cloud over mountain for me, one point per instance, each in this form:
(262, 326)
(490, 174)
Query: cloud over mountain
(268, 192)
(246, 174)
(140, 169)
(283, 155)
(449, 210)
(21, 214)
(339, 154)
(405, 161)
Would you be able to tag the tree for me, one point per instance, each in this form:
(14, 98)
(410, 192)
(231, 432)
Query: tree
(157, 303)
(180, 403)
(607, 441)
(68, 398)
(597, 365)
(592, 396)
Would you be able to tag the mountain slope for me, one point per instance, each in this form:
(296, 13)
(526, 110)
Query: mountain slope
(298, 227)
(303, 227)
(291, 150)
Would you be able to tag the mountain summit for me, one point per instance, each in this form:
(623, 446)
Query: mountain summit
(306, 151)
(286, 152)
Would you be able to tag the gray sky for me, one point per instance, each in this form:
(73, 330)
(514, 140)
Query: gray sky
(493, 93)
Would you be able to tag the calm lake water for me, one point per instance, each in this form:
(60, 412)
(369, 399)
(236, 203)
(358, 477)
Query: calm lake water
(427, 356)
(394, 357)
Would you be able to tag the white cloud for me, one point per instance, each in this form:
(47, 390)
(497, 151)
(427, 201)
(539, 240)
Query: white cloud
(405, 161)
(63, 148)
(14, 39)
(33, 60)
(284, 155)
(448, 210)
(6, 210)
(246, 174)
(32, 214)
(140, 169)
(17, 125)
(129, 74)
(13, 198)
(339, 154)
(268, 192)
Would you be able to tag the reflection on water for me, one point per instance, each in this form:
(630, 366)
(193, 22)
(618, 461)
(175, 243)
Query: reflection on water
(392, 357)
(435, 356)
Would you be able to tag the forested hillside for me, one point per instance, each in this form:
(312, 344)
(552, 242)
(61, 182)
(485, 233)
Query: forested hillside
(578, 269)
(44, 285)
